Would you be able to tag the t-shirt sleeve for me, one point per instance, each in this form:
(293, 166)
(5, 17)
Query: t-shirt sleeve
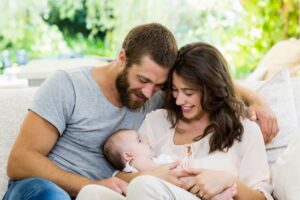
(254, 170)
(55, 99)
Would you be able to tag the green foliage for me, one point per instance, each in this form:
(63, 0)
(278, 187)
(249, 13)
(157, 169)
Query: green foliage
(23, 28)
(243, 30)
(265, 22)
(88, 17)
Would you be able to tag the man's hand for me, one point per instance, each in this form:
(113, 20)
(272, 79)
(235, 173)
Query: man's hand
(115, 184)
(168, 172)
(262, 113)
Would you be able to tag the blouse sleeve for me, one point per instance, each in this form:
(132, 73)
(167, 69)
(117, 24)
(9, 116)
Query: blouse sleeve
(155, 128)
(146, 132)
(254, 170)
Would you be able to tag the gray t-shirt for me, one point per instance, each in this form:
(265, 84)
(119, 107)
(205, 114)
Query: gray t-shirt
(73, 102)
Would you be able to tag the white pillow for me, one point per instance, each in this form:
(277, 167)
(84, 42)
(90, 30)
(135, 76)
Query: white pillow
(296, 88)
(285, 172)
(14, 104)
(278, 93)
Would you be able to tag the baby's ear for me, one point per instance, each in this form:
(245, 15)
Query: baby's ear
(127, 156)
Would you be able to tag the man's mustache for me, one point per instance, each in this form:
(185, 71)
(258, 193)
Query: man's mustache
(139, 94)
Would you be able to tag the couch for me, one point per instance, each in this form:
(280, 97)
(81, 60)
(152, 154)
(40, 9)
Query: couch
(14, 104)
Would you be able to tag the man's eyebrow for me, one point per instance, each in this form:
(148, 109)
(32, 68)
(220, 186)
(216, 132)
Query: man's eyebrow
(150, 81)
(145, 78)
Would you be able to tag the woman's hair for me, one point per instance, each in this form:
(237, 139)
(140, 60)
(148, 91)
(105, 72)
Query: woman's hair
(202, 66)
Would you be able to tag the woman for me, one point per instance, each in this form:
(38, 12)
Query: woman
(204, 127)
(206, 120)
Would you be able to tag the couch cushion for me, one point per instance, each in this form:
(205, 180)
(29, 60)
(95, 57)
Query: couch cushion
(285, 172)
(279, 94)
(14, 104)
(296, 89)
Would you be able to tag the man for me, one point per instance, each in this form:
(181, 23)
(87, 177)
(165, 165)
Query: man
(58, 148)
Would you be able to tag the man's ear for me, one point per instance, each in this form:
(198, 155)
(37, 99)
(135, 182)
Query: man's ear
(122, 57)
(127, 156)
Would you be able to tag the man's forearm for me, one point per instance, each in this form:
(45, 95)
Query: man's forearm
(127, 176)
(33, 164)
(248, 96)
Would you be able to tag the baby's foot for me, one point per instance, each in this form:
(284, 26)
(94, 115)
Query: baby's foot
(226, 194)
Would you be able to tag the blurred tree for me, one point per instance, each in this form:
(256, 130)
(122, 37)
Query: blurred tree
(264, 23)
(23, 28)
(84, 23)
(242, 29)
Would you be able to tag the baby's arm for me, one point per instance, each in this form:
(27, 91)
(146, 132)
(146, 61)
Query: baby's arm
(142, 163)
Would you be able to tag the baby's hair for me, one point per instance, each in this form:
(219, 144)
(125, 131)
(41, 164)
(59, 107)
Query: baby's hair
(111, 151)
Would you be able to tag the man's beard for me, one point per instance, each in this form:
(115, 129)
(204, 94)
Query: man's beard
(122, 85)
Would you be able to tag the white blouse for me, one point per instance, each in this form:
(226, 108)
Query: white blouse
(246, 160)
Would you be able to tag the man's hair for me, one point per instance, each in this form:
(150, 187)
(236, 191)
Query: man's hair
(112, 152)
(203, 66)
(153, 40)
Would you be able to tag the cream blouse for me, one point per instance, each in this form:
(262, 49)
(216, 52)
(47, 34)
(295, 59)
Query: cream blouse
(246, 160)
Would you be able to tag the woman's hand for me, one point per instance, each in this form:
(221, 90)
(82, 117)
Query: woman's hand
(208, 183)
(168, 172)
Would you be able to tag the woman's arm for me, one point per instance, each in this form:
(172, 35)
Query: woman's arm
(125, 176)
(253, 173)
(246, 193)
(253, 165)
(167, 172)
(208, 183)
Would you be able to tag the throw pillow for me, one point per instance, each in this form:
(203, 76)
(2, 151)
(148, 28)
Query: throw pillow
(278, 93)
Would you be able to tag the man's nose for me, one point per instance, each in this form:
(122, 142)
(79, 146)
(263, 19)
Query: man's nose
(148, 90)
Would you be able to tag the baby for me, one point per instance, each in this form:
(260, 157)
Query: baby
(126, 152)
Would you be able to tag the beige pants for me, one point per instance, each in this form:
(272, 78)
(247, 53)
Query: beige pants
(142, 187)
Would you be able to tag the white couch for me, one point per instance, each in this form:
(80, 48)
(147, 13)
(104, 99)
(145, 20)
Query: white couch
(13, 107)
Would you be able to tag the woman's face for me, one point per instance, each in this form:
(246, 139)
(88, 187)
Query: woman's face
(187, 97)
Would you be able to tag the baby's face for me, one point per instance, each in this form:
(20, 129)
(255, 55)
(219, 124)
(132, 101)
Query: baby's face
(135, 145)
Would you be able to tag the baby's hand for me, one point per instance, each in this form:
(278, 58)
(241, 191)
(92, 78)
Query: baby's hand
(227, 194)
(185, 179)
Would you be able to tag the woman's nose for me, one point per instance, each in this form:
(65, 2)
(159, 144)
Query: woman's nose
(179, 99)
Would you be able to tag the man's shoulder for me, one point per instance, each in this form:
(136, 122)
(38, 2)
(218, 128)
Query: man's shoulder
(155, 102)
(78, 73)
(67, 74)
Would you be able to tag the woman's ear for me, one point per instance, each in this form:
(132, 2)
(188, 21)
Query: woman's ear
(127, 156)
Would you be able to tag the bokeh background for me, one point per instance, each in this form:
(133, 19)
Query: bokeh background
(244, 30)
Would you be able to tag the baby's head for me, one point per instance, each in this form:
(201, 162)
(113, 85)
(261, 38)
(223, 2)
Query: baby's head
(123, 145)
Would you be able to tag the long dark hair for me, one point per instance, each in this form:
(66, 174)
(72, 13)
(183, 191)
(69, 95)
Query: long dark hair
(203, 66)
